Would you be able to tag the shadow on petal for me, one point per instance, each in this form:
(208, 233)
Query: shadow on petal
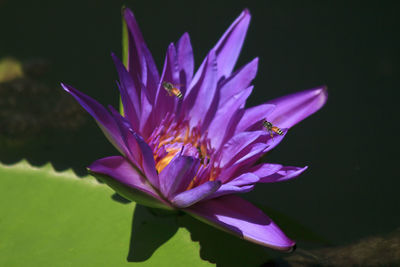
(150, 229)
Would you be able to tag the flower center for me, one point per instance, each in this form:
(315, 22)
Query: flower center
(173, 137)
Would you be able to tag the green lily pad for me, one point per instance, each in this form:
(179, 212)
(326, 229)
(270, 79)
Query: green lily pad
(51, 218)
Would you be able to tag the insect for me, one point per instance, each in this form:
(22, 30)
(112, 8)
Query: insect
(172, 90)
(271, 128)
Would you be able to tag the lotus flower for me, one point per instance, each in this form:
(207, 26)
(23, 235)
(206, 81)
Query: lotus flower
(196, 152)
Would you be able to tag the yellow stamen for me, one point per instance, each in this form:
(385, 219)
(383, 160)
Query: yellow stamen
(191, 184)
(173, 138)
(160, 165)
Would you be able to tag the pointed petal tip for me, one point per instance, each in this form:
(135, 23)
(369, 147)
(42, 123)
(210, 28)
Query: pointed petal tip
(246, 12)
(63, 85)
(291, 247)
(295, 174)
(67, 87)
(230, 44)
(298, 172)
(244, 18)
(185, 35)
(287, 245)
(293, 108)
(323, 90)
(322, 93)
(126, 11)
(171, 46)
(116, 59)
(273, 173)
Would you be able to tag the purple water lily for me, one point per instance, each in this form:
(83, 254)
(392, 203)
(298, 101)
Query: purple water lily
(197, 151)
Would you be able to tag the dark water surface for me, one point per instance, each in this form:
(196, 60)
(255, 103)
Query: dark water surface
(351, 188)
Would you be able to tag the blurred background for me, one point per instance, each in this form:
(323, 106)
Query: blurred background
(350, 191)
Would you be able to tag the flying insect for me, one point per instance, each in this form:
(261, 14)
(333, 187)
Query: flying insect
(271, 128)
(172, 90)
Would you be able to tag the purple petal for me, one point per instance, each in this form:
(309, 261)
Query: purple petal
(238, 81)
(129, 93)
(126, 180)
(146, 124)
(203, 92)
(253, 151)
(273, 142)
(252, 118)
(127, 82)
(184, 53)
(244, 149)
(242, 161)
(241, 218)
(222, 118)
(132, 151)
(102, 117)
(226, 50)
(209, 116)
(236, 144)
(148, 163)
(264, 143)
(128, 108)
(139, 150)
(194, 195)
(244, 179)
(271, 173)
(242, 184)
(140, 60)
(228, 189)
(230, 129)
(164, 102)
(249, 155)
(230, 44)
(293, 108)
(177, 175)
(121, 170)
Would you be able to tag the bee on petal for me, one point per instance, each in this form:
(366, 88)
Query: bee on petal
(271, 128)
(172, 90)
